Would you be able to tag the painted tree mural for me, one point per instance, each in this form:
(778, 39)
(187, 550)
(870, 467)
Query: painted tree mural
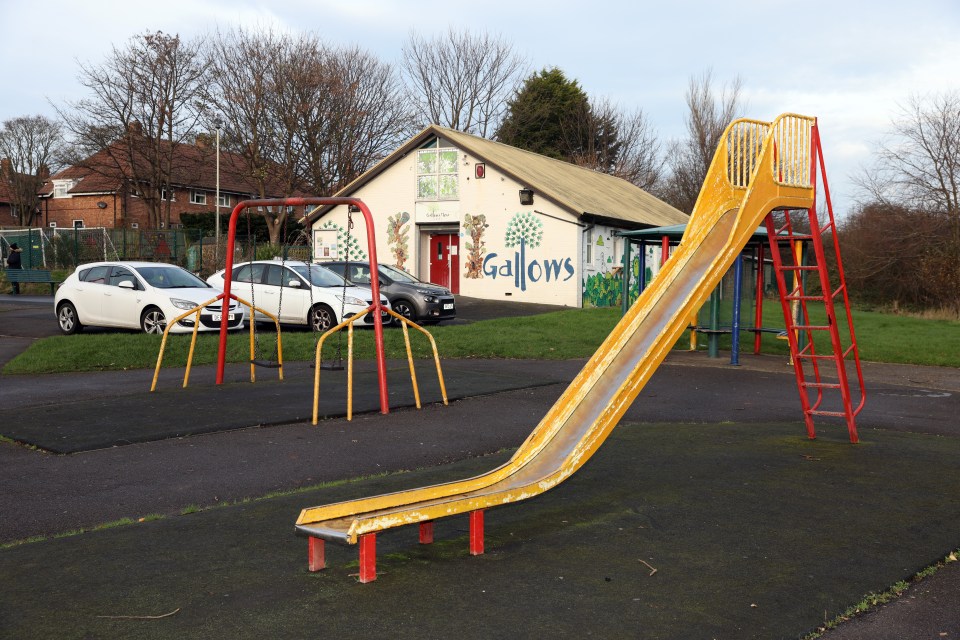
(397, 230)
(524, 229)
(475, 226)
(347, 242)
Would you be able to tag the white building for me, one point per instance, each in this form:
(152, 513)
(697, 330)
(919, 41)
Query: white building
(491, 221)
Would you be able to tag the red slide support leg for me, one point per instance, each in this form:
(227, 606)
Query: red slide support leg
(368, 557)
(476, 532)
(316, 559)
(426, 532)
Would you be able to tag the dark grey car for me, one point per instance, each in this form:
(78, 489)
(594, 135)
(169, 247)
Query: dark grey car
(421, 302)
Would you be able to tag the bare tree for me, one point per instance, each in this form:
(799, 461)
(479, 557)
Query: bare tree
(28, 147)
(917, 168)
(252, 95)
(146, 98)
(707, 116)
(460, 80)
(360, 115)
(620, 143)
(304, 116)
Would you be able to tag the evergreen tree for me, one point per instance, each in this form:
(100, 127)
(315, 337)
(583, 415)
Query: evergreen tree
(549, 115)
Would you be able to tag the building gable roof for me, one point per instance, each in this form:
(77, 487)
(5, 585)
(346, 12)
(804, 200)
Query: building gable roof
(581, 191)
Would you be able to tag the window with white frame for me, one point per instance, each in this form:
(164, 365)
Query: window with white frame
(198, 197)
(134, 225)
(589, 259)
(437, 173)
(167, 194)
(78, 224)
(61, 188)
(53, 225)
(224, 200)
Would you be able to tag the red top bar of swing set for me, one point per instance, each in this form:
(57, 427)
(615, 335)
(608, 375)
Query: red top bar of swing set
(376, 307)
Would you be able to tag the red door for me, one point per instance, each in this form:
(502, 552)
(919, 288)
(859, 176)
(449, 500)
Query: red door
(445, 260)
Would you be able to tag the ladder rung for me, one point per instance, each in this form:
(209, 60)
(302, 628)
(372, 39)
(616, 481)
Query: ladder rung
(838, 414)
(817, 356)
(802, 297)
(802, 267)
(809, 327)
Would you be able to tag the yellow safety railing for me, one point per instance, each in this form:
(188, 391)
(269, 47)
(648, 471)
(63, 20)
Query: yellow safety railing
(406, 338)
(193, 340)
(744, 144)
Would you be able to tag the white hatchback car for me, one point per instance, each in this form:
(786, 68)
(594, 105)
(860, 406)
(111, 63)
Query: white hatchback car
(299, 293)
(138, 295)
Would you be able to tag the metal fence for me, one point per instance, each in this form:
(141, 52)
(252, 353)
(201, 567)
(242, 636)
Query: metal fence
(55, 248)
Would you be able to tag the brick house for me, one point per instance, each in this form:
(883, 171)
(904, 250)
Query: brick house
(97, 193)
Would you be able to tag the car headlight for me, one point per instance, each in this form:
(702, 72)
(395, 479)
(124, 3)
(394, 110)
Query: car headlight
(351, 300)
(186, 305)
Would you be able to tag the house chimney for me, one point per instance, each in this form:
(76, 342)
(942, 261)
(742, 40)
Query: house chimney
(135, 128)
(5, 167)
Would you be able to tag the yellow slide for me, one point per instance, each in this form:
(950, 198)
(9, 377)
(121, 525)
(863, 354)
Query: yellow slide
(757, 168)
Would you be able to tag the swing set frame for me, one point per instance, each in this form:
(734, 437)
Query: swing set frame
(376, 308)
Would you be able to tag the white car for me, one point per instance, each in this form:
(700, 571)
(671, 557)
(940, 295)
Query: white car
(299, 293)
(138, 295)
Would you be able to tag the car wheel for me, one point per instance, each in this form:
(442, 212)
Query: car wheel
(321, 318)
(153, 321)
(405, 309)
(68, 320)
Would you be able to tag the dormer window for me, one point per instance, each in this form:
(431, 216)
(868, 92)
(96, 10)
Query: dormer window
(61, 188)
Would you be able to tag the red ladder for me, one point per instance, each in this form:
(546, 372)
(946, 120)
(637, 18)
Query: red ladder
(795, 303)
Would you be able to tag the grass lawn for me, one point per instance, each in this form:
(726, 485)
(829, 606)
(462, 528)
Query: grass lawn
(574, 333)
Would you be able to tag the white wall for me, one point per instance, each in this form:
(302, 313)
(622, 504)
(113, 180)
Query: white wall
(543, 268)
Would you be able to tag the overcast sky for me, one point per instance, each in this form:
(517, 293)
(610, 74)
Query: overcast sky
(850, 63)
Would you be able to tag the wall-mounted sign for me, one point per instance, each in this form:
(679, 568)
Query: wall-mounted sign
(325, 244)
(434, 212)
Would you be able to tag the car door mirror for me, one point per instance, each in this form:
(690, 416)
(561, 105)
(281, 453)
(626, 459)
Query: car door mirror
(126, 284)
(294, 283)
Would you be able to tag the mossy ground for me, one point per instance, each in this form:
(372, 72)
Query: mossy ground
(754, 532)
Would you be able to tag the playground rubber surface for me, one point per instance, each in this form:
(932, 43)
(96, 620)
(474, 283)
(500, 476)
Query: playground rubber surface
(754, 530)
(174, 412)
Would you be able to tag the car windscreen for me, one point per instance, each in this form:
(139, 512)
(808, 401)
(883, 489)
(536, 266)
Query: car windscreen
(167, 277)
(319, 276)
(398, 275)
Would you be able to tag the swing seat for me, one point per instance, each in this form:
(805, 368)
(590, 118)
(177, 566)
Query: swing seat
(328, 367)
(266, 364)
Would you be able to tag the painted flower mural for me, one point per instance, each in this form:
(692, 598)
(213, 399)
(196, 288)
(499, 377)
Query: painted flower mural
(475, 226)
(397, 234)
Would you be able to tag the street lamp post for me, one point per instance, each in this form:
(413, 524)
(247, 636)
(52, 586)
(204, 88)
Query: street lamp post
(216, 202)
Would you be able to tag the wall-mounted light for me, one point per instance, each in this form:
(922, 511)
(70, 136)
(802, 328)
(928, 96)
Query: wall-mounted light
(526, 196)
(480, 171)
(101, 205)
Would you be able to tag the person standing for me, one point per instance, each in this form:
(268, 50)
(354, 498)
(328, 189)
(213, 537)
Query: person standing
(13, 262)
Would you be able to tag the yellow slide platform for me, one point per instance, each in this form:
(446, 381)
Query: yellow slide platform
(759, 167)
